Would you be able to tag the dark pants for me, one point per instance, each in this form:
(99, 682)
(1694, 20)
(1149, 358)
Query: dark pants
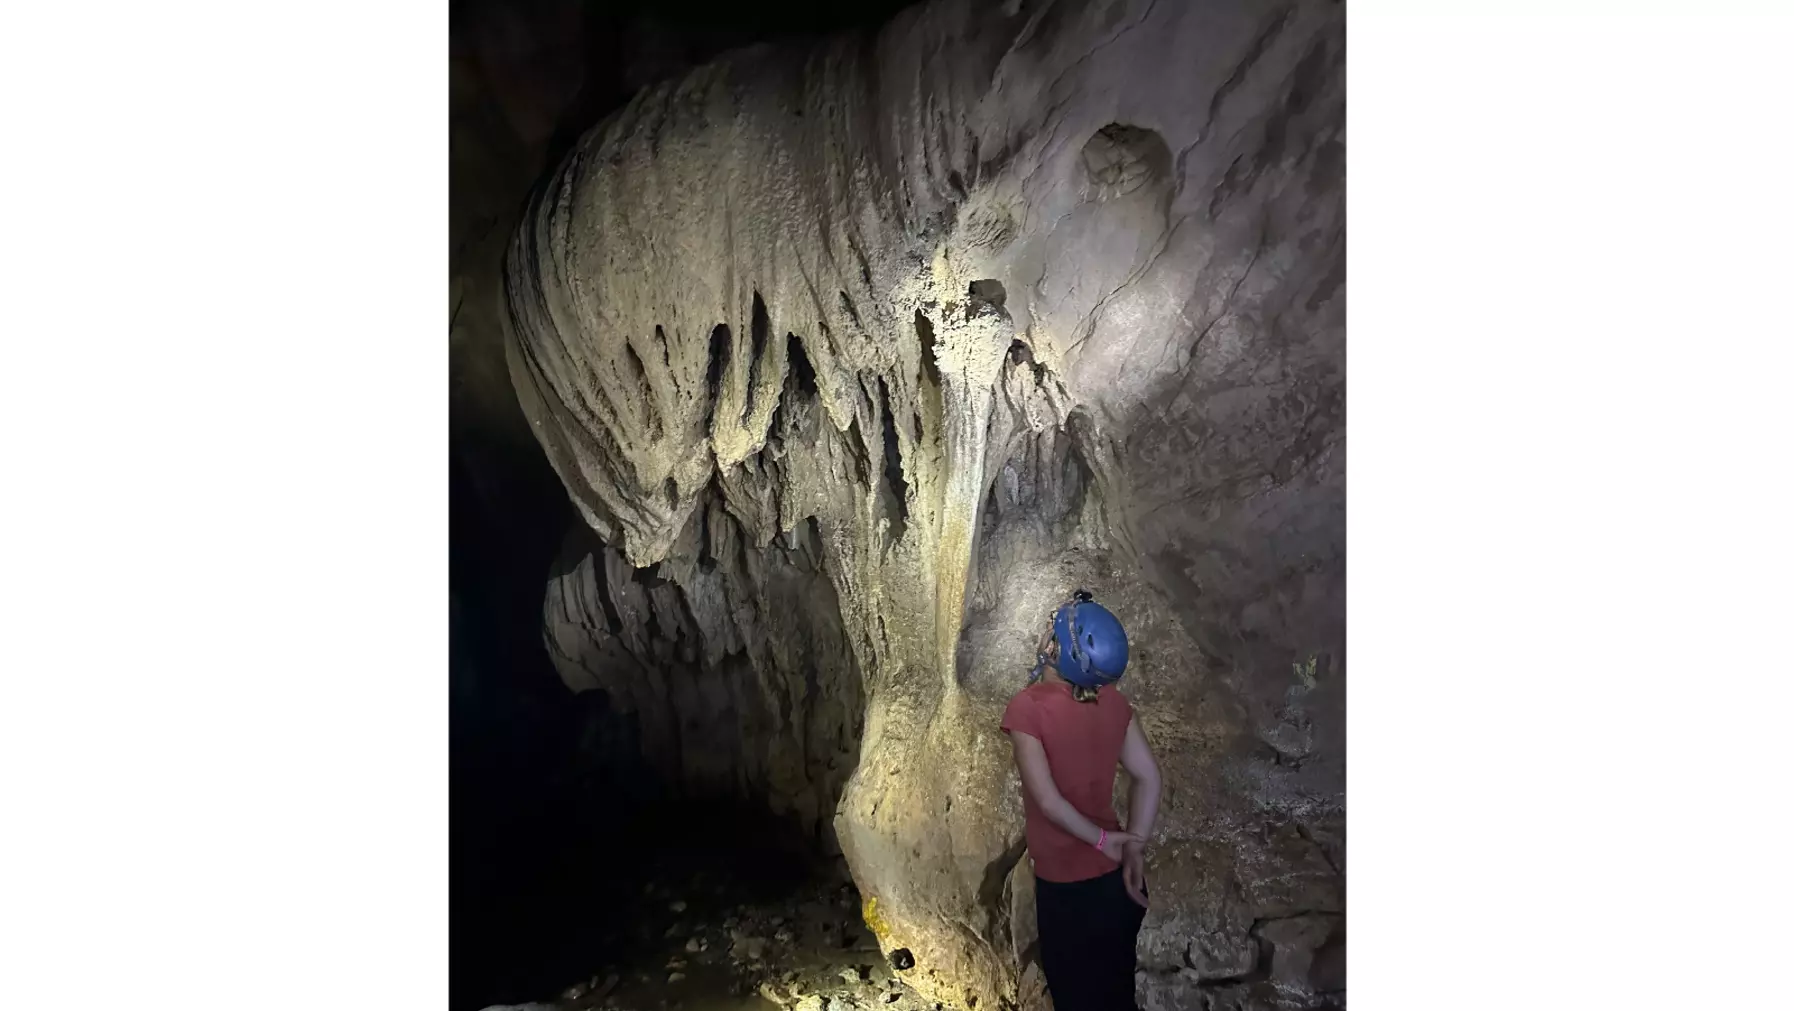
(1087, 933)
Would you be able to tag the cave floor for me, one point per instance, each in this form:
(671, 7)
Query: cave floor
(731, 939)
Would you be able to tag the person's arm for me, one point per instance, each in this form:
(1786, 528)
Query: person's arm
(1143, 785)
(1142, 807)
(1037, 779)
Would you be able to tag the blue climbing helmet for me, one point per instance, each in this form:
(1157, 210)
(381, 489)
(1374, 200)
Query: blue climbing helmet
(1092, 643)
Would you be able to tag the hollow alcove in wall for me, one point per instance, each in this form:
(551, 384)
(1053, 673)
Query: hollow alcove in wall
(1120, 159)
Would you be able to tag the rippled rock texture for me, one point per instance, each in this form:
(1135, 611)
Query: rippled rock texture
(856, 359)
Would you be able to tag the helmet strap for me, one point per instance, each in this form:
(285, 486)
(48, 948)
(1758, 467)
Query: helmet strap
(1040, 656)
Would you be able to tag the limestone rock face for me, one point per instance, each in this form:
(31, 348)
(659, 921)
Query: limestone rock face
(857, 359)
(733, 667)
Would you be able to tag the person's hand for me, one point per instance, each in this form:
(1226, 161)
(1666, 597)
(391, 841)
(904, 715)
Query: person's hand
(1116, 842)
(1133, 871)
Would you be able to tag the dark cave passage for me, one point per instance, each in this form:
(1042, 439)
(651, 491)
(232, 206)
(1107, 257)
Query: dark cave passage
(578, 865)
(614, 908)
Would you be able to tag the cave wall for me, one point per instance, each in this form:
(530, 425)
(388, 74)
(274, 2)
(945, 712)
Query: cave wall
(855, 357)
(728, 661)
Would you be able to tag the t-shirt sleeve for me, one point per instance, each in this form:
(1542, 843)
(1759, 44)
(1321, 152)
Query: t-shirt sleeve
(1023, 715)
(1124, 713)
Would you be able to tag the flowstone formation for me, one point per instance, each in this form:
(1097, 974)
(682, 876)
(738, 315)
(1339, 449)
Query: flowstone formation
(856, 359)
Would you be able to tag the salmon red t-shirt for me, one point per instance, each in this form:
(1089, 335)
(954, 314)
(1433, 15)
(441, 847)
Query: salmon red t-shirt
(1083, 746)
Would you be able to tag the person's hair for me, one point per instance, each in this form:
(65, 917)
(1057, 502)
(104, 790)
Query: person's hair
(1083, 694)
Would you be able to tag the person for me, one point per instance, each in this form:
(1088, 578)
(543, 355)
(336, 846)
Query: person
(1070, 727)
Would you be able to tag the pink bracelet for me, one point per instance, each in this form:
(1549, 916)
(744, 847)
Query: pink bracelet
(1103, 838)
